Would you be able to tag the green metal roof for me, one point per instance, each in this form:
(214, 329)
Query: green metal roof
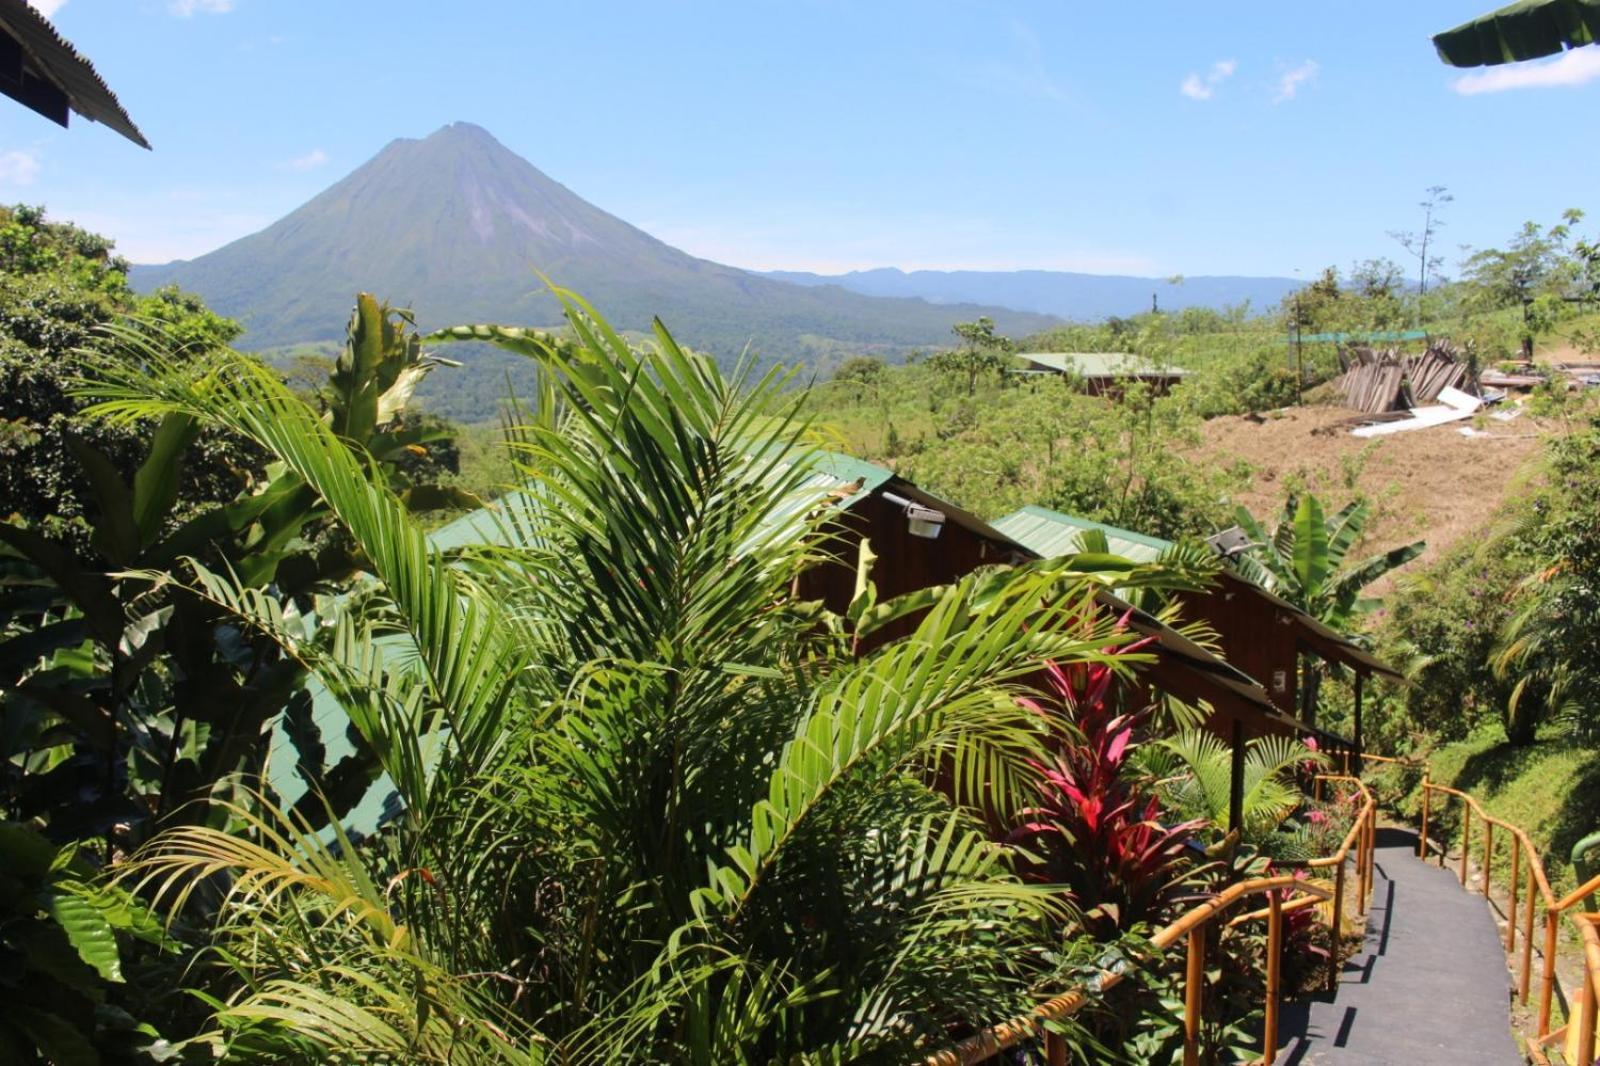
(1051, 533)
(1377, 335)
(1101, 364)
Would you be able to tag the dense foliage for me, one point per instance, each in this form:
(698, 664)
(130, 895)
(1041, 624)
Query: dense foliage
(1499, 630)
(670, 817)
(58, 285)
(650, 805)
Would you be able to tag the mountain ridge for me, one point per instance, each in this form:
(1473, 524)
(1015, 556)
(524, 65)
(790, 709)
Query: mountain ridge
(1066, 294)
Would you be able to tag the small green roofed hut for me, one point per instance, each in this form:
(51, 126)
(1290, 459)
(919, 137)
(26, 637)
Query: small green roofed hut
(1103, 373)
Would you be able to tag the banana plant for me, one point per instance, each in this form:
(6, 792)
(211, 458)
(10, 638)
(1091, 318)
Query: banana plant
(1303, 561)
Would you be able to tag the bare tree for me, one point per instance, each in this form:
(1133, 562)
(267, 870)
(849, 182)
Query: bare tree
(1419, 243)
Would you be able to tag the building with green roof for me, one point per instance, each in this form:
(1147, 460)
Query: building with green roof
(1103, 373)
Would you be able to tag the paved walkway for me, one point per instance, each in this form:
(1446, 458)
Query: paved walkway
(1429, 987)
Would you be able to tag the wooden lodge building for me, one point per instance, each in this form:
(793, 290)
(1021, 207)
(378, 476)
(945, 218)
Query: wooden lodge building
(1261, 634)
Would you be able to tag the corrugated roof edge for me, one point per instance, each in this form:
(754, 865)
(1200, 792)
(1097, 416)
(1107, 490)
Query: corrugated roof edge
(1089, 523)
(1334, 645)
(57, 58)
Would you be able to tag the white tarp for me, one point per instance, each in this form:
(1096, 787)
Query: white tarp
(1454, 406)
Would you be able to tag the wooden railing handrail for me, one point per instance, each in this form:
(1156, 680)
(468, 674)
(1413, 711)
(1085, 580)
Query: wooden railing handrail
(1404, 760)
(1553, 910)
(1191, 925)
(1543, 882)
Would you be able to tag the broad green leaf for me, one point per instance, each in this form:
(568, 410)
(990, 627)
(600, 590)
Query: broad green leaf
(116, 535)
(155, 484)
(89, 932)
(1310, 545)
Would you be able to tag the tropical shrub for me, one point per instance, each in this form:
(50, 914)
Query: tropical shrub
(128, 703)
(652, 810)
(1195, 769)
(59, 952)
(58, 286)
(1092, 827)
(1497, 629)
(1542, 650)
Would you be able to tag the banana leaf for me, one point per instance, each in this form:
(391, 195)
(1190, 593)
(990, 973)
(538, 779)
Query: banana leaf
(1527, 29)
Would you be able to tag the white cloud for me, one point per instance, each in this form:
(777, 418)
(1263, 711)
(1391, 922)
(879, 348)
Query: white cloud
(310, 161)
(1571, 68)
(1291, 80)
(185, 8)
(18, 168)
(1203, 86)
(48, 8)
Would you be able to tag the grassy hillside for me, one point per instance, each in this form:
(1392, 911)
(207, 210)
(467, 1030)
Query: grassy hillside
(1551, 789)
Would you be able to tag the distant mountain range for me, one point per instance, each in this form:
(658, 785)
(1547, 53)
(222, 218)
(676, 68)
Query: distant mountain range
(455, 225)
(1082, 297)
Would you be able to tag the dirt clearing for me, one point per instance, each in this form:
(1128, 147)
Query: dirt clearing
(1433, 484)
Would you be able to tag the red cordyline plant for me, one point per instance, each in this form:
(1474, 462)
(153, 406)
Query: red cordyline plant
(1092, 829)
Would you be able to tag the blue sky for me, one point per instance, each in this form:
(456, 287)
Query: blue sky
(1260, 138)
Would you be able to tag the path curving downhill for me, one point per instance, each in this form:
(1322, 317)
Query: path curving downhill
(1429, 986)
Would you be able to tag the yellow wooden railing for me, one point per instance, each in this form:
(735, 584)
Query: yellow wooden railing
(1191, 928)
(1538, 891)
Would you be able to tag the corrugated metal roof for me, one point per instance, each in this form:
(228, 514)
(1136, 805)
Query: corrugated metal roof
(1101, 364)
(49, 59)
(1051, 533)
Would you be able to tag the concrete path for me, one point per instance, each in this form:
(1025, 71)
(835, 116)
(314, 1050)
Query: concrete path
(1428, 988)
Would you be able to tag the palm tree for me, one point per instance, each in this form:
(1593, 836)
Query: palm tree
(1303, 561)
(653, 810)
(1197, 770)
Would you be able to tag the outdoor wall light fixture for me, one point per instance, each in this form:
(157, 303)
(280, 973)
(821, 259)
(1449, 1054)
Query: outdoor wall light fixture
(921, 521)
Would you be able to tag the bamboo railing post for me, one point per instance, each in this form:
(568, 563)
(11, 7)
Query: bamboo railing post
(1055, 1049)
(1466, 839)
(1372, 855)
(1488, 855)
(1586, 1018)
(1527, 933)
(1511, 905)
(1191, 996)
(1363, 853)
(1422, 841)
(1269, 1025)
(1547, 982)
(1336, 927)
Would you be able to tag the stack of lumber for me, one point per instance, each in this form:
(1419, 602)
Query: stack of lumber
(1379, 381)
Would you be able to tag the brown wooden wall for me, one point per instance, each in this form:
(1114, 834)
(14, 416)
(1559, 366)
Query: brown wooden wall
(1253, 637)
(905, 563)
(1114, 387)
